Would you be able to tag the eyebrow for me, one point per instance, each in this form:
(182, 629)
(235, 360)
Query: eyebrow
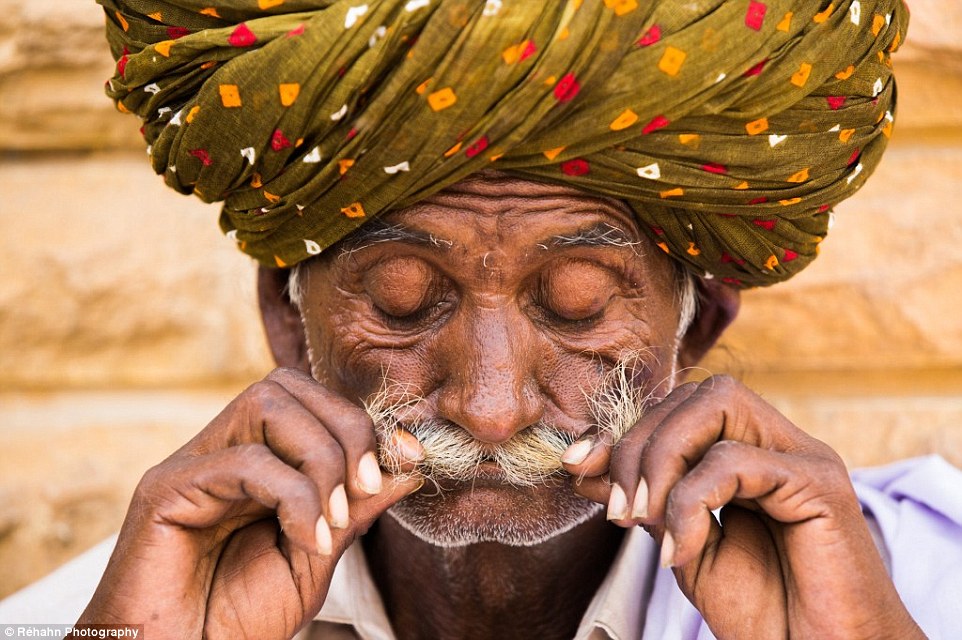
(378, 231)
(601, 234)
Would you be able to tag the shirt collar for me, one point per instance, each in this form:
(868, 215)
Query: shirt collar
(619, 606)
(617, 609)
(353, 598)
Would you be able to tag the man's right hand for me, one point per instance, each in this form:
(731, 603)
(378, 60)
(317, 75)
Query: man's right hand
(238, 532)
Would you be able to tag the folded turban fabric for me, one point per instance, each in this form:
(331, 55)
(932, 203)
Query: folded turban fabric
(731, 127)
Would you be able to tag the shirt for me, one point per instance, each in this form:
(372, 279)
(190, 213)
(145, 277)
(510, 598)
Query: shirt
(354, 610)
(914, 509)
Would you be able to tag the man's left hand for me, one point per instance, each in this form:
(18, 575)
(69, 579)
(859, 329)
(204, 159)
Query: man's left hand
(792, 556)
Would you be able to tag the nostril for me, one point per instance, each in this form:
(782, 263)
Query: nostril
(496, 422)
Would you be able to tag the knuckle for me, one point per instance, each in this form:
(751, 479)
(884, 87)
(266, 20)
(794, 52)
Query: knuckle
(152, 478)
(282, 374)
(626, 447)
(828, 456)
(261, 399)
(722, 385)
(357, 430)
(649, 449)
(157, 486)
(725, 456)
(302, 492)
(680, 503)
(634, 437)
(326, 461)
(831, 467)
(264, 393)
(358, 423)
(298, 501)
(725, 450)
(252, 454)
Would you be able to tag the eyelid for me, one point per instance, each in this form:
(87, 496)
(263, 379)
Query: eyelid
(630, 278)
(579, 324)
(557, 290)
(437, 296)
(552, 320)
(419, 319)
(399, 284)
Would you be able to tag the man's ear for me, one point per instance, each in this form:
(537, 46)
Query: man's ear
(282, 320)
(718, 305)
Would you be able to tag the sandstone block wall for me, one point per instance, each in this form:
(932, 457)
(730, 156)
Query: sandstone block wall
(127, 321)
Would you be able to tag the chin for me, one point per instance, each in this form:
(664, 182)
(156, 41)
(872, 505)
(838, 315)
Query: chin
(465, 514)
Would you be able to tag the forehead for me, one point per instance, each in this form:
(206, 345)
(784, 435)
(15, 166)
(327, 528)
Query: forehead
(491, 211)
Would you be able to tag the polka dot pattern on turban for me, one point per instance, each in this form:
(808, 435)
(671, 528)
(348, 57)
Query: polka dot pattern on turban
(731, 127)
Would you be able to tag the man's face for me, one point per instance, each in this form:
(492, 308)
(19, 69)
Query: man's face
(501, 303)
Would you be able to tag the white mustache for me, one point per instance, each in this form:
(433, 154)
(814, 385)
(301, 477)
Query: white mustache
(529, 458)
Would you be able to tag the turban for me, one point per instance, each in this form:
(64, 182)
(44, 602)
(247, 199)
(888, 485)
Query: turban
(730, 127)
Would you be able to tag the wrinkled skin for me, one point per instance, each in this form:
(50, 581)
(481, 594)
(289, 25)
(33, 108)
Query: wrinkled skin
(497, 325)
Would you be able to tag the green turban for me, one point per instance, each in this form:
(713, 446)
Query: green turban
(731, 127)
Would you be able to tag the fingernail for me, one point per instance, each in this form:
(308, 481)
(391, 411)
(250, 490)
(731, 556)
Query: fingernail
(417, 488)
(322, 533)
(407, 445)
(667, 550)
(639, 507)
(340, 513)
(577, 452)
(369, 474)
(617, 503)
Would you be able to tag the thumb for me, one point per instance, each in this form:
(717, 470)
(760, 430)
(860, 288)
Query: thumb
(689, 564)
(365, 511)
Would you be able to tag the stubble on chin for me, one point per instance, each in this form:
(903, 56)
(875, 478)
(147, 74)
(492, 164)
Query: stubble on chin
(518, 517)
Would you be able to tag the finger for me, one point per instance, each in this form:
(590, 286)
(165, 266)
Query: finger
(205, 491)
(596, 488)
(295, 435)
(349, 424)
(741, 546)
(260, 551)
(402, 450)
(282, 412)
(689, 522)
(312, 571)
(718, 409)
(629, 504)
(786, 487)
(366, 510)
(588, 456)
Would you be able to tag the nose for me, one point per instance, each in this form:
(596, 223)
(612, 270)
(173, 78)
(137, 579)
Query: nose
(491, 387)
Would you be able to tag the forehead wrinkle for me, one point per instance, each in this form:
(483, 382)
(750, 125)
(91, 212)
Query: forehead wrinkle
(505, 202)
(597, 232)
(512, 202)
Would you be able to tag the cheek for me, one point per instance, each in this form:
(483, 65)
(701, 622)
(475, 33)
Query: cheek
(356, 354)
(565, 378)
(628, 326)
(575, 365)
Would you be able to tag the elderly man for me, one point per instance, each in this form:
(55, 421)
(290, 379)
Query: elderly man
(493, 235)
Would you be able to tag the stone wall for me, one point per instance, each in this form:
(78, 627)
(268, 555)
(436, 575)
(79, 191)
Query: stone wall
(127, 321)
